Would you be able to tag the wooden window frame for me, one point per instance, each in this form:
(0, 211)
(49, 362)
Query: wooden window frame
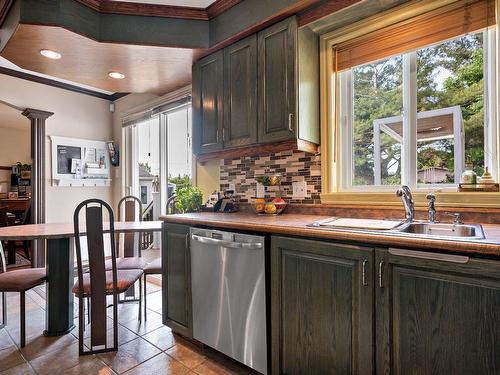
(332, 167)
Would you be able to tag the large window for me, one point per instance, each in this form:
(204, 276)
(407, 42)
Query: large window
(415, 111)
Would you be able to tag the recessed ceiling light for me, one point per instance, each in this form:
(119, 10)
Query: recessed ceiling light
(116, 75)
(50, 54)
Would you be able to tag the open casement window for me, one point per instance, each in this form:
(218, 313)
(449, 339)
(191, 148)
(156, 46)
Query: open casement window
(414, 100)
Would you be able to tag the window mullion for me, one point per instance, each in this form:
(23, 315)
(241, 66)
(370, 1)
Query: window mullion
(409, 151)
(346, 129)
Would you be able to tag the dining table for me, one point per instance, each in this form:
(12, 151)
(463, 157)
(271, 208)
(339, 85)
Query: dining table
(60, 264)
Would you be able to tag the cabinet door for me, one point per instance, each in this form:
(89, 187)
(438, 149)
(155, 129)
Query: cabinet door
(240, 93)
(277, 47)
(177, 273)
(207, 103)
(322, 308)
(437, 314)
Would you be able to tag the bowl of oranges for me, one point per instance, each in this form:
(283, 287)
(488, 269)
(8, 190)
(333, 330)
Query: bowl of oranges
(273, 207)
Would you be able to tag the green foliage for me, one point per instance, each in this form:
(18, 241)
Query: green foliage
(378, 93)
(180, 182)
(146, 167)
(189, 199)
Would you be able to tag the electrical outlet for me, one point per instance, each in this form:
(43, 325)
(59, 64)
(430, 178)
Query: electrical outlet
(261, 191)
(232, 187)
(299, 189)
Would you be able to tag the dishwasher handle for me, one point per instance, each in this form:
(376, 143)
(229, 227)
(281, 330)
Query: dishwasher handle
(230, 244)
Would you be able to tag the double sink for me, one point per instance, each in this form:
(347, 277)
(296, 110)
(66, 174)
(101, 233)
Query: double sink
(423, 229)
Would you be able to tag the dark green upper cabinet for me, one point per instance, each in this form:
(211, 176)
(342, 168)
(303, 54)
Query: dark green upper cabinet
(268, 91)
(321, 307)
(240, 93)
(176, 273)
(277, 75)
(437, 314)
(208, 103)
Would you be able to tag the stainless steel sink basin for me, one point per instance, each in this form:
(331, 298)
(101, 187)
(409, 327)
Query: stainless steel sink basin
(465, 231)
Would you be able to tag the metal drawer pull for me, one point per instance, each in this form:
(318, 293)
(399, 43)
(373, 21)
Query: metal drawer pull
(380, 268)
(290, 122)
(364, 273)
(462, 259)
(230, 244)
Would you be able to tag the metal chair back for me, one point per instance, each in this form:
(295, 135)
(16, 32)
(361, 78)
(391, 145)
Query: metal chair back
(94, 232)
(132, 210)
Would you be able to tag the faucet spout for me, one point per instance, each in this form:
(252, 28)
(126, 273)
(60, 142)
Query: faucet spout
(407, 198)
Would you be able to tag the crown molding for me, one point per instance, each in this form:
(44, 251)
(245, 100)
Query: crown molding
(220, 6)
(60, 85)
(158, 10)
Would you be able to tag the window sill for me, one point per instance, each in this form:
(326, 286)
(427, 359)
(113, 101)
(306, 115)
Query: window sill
(443, 199)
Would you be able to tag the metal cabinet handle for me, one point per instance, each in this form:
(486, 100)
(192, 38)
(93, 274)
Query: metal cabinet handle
(217, 135)
(290, 122)
(363, 274)
(187, 240)
(431, 256)
(380, 278)
(223, 134)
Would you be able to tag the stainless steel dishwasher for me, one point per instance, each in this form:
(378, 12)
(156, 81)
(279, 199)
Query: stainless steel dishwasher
(229, 294)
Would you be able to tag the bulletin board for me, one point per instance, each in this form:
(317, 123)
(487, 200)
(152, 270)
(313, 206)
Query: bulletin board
(80, 162)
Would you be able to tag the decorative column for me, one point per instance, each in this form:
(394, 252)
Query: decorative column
(38, 178)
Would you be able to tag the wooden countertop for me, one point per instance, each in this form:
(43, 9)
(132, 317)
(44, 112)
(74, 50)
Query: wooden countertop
(66, 230)
(296, 225)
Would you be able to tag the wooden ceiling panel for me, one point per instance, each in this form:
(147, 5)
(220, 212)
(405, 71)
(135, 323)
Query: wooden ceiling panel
(147, 69)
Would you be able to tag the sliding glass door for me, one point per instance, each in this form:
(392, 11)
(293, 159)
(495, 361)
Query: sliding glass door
(158, 157)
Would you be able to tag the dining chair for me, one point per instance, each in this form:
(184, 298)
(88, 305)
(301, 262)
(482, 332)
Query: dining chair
(132, 212)
(99, 281)
(18, 281)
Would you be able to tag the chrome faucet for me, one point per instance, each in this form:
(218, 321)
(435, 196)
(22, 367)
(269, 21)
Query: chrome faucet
(432, 209)
(407, 199)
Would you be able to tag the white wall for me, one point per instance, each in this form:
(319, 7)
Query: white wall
(14, 146)
(75, 115)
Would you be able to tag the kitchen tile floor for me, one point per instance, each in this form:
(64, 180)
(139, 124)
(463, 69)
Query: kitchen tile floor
(149, 348)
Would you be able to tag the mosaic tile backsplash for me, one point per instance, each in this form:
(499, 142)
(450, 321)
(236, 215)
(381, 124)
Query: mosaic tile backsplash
(291, 165)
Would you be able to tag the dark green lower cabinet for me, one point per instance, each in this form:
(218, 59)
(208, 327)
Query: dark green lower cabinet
(437, 314)
(322, 308)
(176, 277)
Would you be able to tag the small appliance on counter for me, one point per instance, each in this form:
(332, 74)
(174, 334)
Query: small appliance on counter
(227, 203)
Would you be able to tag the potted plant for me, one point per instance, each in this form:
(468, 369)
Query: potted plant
(189, 199)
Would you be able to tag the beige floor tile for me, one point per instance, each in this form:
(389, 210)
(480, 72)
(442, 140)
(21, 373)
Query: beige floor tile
(23, 369)
(124, 336)
(126, 311)
(162, 364)
(93, 367)
(130, 355)
(154, 301)
(141, 328)
(10, 357)
(59, 361)
(162, 338)
(5, 340)
(41, 345)
(187, 354)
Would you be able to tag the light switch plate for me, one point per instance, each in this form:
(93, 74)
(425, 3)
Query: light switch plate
(261, 191)
(299, 189)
